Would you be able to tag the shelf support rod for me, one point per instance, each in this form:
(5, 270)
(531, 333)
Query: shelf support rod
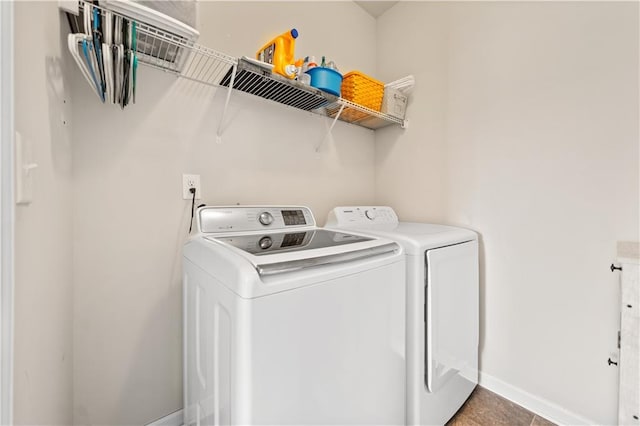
(226, 103)
(330, 128)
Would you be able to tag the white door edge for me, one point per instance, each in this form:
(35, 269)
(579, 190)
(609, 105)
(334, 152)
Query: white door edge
(6, 212)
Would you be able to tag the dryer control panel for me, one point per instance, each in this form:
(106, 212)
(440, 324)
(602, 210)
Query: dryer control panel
(361, 216)
(216, 219)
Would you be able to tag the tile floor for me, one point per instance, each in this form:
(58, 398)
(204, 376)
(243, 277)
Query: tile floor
(484, 408)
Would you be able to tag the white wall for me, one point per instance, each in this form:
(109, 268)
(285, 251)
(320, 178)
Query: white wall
(524, 127)
(129, 220)
(43, 253)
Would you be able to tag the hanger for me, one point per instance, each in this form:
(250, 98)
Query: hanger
(76, 42)
(97, 44)
(134, 45)
(106, 54)
(92, 61)
(87, 8)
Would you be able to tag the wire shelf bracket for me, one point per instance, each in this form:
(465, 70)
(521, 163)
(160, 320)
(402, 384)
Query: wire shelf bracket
(226, 103)
(333, 123)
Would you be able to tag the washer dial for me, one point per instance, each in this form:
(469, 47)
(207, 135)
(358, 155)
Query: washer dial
(265, 243)
(265, 218)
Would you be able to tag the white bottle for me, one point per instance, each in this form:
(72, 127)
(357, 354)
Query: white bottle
(290, 70)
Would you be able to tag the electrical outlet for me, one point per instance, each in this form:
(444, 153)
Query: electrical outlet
(188, 182)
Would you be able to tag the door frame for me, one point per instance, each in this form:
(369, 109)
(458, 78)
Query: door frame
(7, 213)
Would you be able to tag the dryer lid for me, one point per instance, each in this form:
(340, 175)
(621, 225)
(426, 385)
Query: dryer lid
(382, 221)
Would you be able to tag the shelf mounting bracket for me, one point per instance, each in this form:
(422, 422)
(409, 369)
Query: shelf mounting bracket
(330, 128)
(226, 104)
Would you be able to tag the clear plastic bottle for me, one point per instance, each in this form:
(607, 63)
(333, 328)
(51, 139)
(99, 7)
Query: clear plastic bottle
(311, 63)
(280, 52)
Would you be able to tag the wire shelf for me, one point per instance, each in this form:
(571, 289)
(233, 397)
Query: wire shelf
(175, 54)
(170, 52)
(261, 82)
(360, 115)
(183, 57)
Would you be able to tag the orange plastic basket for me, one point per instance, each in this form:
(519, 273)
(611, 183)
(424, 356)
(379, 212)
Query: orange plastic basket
(362, 90)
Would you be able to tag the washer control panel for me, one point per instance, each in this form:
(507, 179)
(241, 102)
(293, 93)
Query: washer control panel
(213, 219)
(361, 215)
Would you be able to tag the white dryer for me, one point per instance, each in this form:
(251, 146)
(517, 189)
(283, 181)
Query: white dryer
(286, 323)
(442, 310)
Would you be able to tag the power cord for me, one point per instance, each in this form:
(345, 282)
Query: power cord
(193, 206)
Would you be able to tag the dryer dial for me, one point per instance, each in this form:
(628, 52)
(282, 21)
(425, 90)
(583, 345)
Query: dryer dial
(370, 214)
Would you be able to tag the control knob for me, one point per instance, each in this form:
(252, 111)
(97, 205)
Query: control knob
(265, 218)
(265, 243)
(370, 214)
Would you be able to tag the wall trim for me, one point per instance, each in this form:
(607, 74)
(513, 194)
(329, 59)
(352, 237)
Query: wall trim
(173, 419)
(7, 213)
(533, 403)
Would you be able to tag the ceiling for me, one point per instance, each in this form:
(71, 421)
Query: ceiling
(376, 8)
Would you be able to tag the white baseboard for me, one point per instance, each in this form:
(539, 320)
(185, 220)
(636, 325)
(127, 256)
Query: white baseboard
(533, 403)
(173, 419)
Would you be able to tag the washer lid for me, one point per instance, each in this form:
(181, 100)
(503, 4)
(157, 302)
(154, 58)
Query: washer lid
(285, 252)
(281, 252)
(280, 242)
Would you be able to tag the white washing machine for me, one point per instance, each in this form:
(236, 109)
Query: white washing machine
(442, 308)
(286, 323)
